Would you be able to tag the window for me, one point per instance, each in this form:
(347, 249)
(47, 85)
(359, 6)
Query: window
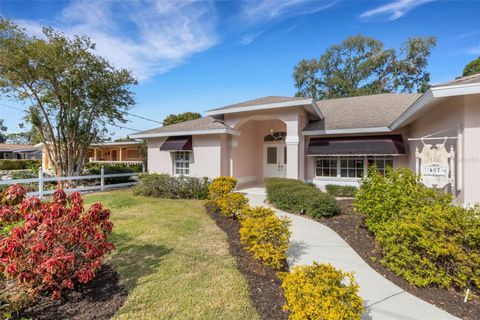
(181, 163)
(326, 167)
(380, 162)
(272, 155)
(351, 167)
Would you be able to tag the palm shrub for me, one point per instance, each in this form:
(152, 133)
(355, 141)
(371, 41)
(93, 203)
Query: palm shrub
(422, 235)
(321, 292)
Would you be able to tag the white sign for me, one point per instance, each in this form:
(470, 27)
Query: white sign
(436, 171)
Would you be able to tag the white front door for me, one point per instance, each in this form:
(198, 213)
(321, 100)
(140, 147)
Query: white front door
(275, 160)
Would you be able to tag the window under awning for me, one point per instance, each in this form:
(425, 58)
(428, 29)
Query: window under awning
(391, 145)
(179, 143)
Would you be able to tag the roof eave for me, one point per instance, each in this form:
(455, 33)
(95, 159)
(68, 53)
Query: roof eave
(286, 104)
(346, 131)
(184, 133)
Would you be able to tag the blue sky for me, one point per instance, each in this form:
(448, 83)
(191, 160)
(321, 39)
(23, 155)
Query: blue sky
(197, 55)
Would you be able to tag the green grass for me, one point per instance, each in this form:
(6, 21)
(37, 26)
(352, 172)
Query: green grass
(173, 260)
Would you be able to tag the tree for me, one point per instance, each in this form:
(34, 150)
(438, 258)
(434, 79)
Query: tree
(74, 94)
(181, 117)
(25, 137)
(473, 67)
(3, 136)
(361, 66)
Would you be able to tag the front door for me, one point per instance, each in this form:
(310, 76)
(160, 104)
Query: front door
(275, 160)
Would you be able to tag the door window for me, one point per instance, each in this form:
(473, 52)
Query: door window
(271, 155)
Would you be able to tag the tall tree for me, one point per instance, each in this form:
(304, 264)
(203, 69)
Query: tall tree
(361, 66)
(181, 117)
(74, 94)
(3, 129)
(473, 67)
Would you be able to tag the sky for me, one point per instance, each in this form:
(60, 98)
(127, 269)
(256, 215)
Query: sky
(199, 55)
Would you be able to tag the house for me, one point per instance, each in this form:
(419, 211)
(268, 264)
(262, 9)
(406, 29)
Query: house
(20, 151)
(436, 134)
(107, 153)
(126, 152)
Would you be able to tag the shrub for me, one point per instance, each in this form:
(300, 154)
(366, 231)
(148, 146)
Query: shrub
(231, 204)
(341, 191)
(255, 212)
(295, 196)
(423, 236)
(13, 164)
(267, 238)
(221, 186)
(170, 187)
(58, 244)
(383, 197)
(95, 169)
(321, 292)
(96, 166)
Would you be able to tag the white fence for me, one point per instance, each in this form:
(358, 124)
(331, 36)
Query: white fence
(102, 176)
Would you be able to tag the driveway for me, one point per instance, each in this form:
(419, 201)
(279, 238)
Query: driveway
(383, 300)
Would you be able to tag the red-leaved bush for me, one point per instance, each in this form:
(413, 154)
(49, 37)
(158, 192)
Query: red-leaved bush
(58, 244)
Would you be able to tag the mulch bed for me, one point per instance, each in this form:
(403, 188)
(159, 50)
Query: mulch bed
(98, 299)
(265, 291)
(351, 228)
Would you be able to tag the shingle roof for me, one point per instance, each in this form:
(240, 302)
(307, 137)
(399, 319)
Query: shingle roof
(474, 78)
(260, 101)
(16, 147)
(378, 110)
(206, 123)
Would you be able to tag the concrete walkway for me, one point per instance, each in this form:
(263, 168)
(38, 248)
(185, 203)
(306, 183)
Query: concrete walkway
(312, 241)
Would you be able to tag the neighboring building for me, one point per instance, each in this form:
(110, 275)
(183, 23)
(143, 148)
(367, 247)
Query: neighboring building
(108, 153)
(20, 151)
(128, 152)
(332, 141)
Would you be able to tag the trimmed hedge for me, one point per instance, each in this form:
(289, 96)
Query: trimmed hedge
(341, 191)
(170, 187)
(11, 164)
(295, 196)
(96, 170)
(423, 236)
(321, 292)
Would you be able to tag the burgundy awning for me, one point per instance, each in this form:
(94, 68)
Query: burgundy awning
(179, 143)
(345, 146)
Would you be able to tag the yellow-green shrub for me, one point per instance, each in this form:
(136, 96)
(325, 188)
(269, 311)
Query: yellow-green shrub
(267, 239)
(321, 292)
(221, 186)
(255, 212)
(231, 204)
(422, 235)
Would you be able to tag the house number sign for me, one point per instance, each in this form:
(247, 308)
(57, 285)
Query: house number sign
(436, 165)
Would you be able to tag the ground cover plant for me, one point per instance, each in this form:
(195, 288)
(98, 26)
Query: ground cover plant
(171, 187)
(320, 291)
(422, 235)
(298, 197)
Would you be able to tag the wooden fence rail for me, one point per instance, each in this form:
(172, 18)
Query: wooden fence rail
(102, 176)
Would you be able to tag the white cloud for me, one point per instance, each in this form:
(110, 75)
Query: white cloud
(467, 34)
(255, 11)
(474, 50)
(393, 10)
(250, 37)
(148, 37)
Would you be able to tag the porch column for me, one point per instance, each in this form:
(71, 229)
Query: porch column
(95, 156)
(232, 159)
(120, 154)
(292, 140)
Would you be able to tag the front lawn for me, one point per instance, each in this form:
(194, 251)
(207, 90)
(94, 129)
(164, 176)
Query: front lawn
(173, 260)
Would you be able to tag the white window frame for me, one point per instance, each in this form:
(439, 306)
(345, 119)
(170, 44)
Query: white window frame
(184, 170)
(365, 166)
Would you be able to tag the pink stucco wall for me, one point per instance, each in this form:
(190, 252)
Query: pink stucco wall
(207, 156)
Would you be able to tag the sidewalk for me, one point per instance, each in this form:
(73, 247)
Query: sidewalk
(312, 241)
